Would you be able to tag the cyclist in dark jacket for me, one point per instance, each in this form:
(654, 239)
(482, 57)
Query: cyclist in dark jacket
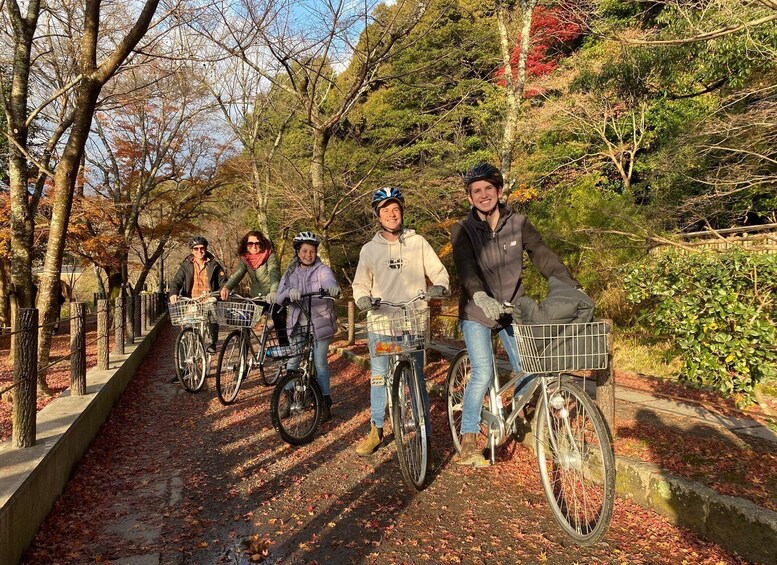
(199, 274)
(488, 247)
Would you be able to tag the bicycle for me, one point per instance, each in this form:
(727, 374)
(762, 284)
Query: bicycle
(400, 335)
(238, 357)
(297, 402)
(572, 443)
(192, 359)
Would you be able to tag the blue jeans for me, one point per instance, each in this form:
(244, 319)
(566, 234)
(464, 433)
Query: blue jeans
(477, 339)
(379, 365)
(320, 353)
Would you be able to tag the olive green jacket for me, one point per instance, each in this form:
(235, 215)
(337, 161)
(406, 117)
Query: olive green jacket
(265, 279)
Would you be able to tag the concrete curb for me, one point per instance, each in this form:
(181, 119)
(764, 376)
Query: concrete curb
(32, 479)
(735, 523)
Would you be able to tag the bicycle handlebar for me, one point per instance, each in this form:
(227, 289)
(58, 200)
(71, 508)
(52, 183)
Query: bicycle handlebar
(422, 295)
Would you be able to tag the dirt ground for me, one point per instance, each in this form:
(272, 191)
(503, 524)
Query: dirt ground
(178, 478)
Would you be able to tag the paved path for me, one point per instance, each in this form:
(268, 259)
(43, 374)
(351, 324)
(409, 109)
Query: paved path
(178, 478)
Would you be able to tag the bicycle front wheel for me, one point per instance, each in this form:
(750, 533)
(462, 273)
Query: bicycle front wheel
(190, 360)
(296, 407)
(232, 367)
(576, 461)
(409, 417)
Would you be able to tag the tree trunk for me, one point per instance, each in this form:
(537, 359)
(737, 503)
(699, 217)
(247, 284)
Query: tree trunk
(64, 188)
(515, 83)
(22, 214)
(99, 279)
(317, 161)
(24, 403)
(5, 301)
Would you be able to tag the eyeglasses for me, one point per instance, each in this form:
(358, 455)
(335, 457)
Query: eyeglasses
(253, 244)
(199, 248)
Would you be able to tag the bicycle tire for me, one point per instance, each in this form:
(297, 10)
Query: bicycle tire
(190, 360)
(409, 414)
(459, 373)
(271, 370)
(232, 367)
(577, 467)
(305, 404)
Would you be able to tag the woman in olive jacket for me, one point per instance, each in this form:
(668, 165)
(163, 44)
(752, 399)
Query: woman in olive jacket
(258, 260)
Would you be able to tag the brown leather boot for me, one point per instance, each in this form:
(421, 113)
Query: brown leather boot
(471, 454)
(371, 443)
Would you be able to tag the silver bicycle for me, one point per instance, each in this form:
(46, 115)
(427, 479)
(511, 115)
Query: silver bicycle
(192, 359)
(399, 331)
(572, 442)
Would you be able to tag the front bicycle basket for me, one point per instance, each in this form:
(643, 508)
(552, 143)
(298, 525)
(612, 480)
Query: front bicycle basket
(280, 345)
(189, 312)
(551, 348)
(237, 314)
(399, 331)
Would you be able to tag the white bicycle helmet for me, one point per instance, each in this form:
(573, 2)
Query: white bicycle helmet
(304, 237)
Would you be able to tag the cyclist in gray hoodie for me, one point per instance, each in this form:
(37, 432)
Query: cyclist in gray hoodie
(393, 266)
(488, 247)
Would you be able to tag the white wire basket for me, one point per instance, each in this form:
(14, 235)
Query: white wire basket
(238, 314)
(399, 331)
(552, 348)
(280, 345)
(187, 312)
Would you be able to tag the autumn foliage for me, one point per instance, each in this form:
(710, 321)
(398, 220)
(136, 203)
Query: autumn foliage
(552, 32)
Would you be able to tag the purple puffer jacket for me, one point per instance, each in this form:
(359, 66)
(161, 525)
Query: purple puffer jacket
(311, 279)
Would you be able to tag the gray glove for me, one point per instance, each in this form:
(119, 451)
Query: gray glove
(294, 294)
(490, 306)
(333, 291)
(364, 303)
(437, 291)
(271, 297)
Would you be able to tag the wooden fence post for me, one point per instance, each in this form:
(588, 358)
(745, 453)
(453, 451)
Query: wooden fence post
(137, 316)
(25, 371)
(154, 308)
(77, 348)
(118, 326)
(605, 385)
(351, 322)
(143, 313)
(103, 355)
(129, 317)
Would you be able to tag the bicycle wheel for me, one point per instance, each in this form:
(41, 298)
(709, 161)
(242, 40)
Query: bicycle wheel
(576, 460)
(190, 360)
(295, 407)
(409, 417)
(459, 373)
(232, 367)
(270, 368)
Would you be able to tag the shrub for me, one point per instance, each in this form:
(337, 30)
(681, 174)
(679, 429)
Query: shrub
(719, 308)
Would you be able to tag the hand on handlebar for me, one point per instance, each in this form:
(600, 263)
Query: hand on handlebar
(490, 306)
(437, 291)
(294, 294)
(366, 303)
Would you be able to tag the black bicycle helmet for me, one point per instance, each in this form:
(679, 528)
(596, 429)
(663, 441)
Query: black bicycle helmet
(385, 195)
(304, 237)
(484, 171)
(197, 240)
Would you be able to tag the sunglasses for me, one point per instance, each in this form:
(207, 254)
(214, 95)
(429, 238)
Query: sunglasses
(253, 244)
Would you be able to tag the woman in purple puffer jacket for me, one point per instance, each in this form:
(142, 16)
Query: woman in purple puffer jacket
(306, 274)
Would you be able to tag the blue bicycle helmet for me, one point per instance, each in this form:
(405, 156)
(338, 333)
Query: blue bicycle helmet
(385, 195)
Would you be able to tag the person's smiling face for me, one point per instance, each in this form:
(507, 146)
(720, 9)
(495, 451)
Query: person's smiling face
(484, 196)
(390, 216)
(307, 254)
